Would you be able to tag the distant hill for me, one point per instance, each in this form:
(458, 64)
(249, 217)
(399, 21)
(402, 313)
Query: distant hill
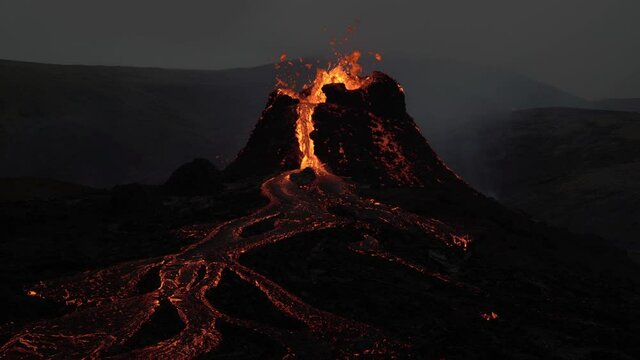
(445, 94)
(574, 168)
(631, 104)
(102, 126)
(26, 189)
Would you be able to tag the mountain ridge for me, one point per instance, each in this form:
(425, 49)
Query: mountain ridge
(112, 121)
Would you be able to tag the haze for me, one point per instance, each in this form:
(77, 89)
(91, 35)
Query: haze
(590, 48)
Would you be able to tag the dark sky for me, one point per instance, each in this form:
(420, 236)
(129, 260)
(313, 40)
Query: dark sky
(588, 47)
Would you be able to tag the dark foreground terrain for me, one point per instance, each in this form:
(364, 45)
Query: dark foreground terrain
(379, 251)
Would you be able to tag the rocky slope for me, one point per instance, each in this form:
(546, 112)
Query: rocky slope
(332, 264)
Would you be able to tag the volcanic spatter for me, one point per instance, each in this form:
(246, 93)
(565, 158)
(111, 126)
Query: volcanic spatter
(361, 132)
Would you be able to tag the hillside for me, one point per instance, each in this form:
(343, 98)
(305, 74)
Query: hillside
(26, 189)
(629, 104)
(107, 125)
(101, 126)
(574, 168)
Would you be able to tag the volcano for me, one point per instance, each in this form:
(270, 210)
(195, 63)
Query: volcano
(368, 246)
(363, 134)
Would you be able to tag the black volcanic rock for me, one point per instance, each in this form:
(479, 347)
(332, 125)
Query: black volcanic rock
(304, 177)
(273, 146)
(198, 177)
(367, 135)
(132, 199)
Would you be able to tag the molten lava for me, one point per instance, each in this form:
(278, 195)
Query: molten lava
(346, 72)
(489, 316)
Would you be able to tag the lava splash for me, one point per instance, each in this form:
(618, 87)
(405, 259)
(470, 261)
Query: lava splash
(346, 72)
(349, 125)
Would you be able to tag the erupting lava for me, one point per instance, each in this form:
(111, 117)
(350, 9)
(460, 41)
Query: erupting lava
(346, 72)
(108, 309)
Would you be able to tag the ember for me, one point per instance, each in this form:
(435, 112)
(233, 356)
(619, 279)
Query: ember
(346, 72)
(489, 316)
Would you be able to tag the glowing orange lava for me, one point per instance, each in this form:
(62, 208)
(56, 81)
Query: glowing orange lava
(463, 241)
(346, 72)
(489, 316)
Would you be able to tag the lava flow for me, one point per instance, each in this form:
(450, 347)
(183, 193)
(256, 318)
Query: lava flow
(107, 309)
(346, 72)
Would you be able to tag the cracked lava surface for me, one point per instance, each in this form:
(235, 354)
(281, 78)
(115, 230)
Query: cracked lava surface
(109, 311)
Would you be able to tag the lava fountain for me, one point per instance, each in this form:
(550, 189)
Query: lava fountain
(347, 71)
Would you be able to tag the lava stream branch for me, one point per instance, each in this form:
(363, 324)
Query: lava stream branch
(110, 310)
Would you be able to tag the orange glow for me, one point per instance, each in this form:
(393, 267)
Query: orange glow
(462, 241)
(489, 316)
(283, 57)
(346, 72)
(378, 56)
